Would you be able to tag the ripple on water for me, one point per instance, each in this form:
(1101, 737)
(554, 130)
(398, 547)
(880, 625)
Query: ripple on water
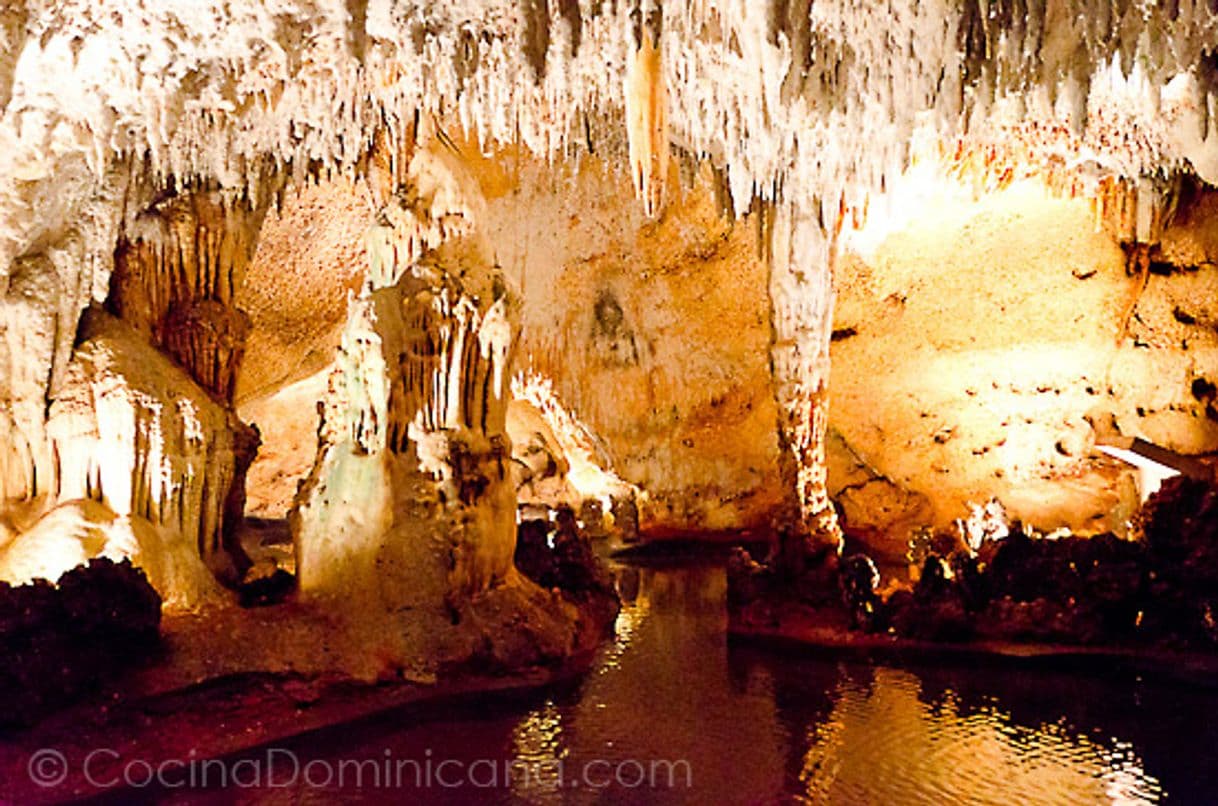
(761, 727)
(883, 744)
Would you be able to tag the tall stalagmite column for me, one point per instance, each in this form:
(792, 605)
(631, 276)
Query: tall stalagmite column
(410, 509)
(799, 253)
(410, 504)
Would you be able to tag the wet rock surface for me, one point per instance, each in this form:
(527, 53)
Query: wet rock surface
(1160, 590)
(558, 555)
(62, 642)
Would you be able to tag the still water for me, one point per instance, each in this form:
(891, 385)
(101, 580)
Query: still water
(673, 714)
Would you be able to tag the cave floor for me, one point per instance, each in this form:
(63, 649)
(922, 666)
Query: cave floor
(219, 718)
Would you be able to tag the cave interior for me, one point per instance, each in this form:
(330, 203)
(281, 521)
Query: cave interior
(309, 309)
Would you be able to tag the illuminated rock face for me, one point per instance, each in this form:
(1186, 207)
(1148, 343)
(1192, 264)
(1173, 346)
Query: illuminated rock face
(982, 345)
(410, 503)
(138, 419)
(142, 142)
(132, 432)
(640, 387)
(615, 326)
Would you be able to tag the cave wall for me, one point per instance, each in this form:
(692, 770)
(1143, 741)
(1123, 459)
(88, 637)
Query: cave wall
(981, 343)
(111, 106)
(654, 334)
(311, 256)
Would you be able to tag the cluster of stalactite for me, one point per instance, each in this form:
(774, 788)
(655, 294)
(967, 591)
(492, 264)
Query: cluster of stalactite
(452, 350)
(177, 271)
(139, 418)
(1135, 209)
(39, 311)
(179, 267)
(445, 375)
(810, 106)
(772, 90)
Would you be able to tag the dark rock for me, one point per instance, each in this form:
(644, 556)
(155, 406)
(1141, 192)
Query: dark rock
(1160, 590)
(534, 556)
(60, 643)
(938, 619)
(1179, 524)
(560, 556)
(933, 583)
(1042, 620)
(927, 542)
(971, 579)
(267, 590)
(626, 518)
(577, 567)
(593, 518)
(858, 579)
(807, 568)
(747, 579)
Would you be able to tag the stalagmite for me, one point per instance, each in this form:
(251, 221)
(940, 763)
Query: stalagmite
(131, 431)
(410, 504)
(801, 316)
(140, 144)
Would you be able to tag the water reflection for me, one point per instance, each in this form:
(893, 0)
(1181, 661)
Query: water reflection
(882, 742)
(538, 754)
(669, 694)
(756, 727)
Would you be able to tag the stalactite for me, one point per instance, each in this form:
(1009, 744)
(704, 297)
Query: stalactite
(815, 107)
(646, 100)
(751, 85)
(176, 273)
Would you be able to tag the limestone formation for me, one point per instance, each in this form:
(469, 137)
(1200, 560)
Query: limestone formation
(177, 272)
(132, 432)
(410, 504)
(646, 102)
(649, 202)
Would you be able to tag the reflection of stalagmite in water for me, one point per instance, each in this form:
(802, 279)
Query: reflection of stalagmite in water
(628, 583)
